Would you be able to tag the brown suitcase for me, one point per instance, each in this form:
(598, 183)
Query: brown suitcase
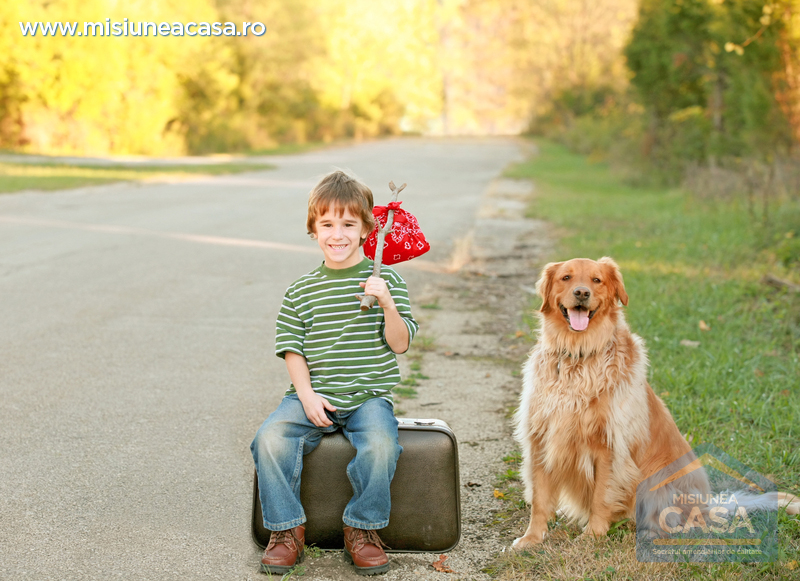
(426, 503)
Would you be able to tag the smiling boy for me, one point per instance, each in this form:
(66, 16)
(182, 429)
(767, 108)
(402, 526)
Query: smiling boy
(343, 367)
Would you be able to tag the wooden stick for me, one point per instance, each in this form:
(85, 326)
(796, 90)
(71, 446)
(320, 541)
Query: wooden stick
(367, 301)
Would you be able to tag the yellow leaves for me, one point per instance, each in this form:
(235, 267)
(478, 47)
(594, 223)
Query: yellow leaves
(732, 47)
(792, 565)
(704, 326)
(498, 494)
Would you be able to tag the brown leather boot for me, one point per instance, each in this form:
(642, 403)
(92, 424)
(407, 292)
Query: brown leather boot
(284, 550)
(365, 551)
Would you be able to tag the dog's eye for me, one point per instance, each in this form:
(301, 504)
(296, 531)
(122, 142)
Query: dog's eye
(596, 280)
(566, 277)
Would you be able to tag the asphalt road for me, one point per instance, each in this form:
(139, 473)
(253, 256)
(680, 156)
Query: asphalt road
(136, 332)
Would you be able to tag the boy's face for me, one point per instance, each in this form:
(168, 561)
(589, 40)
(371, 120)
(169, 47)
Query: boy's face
(339, 237)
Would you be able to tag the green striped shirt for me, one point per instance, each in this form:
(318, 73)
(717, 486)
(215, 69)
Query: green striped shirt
(346, 350)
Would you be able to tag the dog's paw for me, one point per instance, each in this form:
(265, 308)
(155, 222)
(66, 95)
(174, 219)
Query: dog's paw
(527, 542)
(650, 534)
(596, 531)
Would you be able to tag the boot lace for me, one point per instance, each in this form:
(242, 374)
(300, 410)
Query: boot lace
(282, 537)
(369, 537)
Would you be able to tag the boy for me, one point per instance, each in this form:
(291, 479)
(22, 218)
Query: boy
(342, 365)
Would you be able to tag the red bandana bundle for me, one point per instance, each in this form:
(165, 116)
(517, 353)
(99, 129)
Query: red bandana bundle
(404, 242)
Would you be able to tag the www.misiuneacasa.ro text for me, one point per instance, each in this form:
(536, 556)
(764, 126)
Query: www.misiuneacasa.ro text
(130, 28)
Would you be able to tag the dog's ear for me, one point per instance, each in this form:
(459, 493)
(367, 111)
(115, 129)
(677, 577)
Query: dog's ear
(615, 278)
(545, 284)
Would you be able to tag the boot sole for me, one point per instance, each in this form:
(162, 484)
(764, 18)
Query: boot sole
(281, 569)
(377, 570)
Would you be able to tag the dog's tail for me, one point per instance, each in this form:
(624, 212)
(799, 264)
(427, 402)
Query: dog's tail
(752, 501)
(691, 504)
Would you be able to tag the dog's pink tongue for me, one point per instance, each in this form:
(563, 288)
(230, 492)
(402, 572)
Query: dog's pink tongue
(578, 320)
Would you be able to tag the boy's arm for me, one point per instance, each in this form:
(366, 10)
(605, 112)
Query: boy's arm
(395, 329)
(313, 404)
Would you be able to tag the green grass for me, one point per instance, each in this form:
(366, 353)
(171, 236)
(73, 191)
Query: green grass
(405, 392)
(52, 175)
(686, 260)
(291, 148)
(424, 343)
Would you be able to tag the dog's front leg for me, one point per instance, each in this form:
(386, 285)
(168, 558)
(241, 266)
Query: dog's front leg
(542, 508)
(600, 517)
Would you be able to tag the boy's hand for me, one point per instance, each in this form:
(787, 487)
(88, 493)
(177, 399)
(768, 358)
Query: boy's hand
(378, 288)
(315, 405)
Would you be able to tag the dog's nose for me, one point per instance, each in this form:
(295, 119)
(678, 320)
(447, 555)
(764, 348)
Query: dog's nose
(582, 293)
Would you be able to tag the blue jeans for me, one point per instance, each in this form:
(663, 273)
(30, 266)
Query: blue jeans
(287, 434)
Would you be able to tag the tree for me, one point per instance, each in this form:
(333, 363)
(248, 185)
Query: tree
(704, 72)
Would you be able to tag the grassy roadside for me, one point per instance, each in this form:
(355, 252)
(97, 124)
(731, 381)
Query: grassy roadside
(52, 175)
(724, 347)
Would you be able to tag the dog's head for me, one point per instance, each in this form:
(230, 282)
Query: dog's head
(581, 297)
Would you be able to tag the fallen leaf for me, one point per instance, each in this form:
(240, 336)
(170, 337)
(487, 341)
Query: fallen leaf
(664, 394)
(519, 334)
(473, 484)
(440, 566)
(703, 326)
(488, 375)
(785, 392)
(498, 494)
(758, 373)
(792, 565)
(688, 343)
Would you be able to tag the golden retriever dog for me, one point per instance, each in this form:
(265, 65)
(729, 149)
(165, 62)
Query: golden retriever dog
(589, 425)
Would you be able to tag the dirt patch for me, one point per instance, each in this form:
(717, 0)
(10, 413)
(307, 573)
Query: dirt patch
(465, 369)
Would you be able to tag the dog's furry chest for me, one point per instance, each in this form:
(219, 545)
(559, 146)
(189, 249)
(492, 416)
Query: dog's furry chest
(586, 398)
(566, 396)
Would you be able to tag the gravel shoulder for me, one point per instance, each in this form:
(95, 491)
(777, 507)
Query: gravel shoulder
(470, 351)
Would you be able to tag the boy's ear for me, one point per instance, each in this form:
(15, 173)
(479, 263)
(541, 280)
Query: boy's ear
(312, 235)
(365, 232)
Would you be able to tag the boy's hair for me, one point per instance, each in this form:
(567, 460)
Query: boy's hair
(342, 191)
